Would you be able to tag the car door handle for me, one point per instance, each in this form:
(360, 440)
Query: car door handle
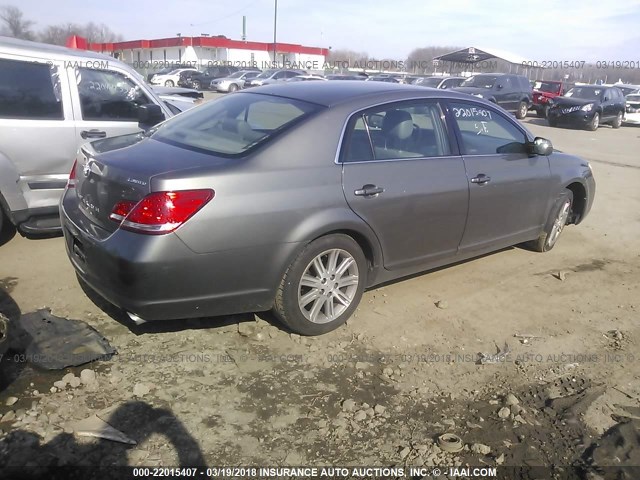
(368, 191)
(93, 134)
(481, 179)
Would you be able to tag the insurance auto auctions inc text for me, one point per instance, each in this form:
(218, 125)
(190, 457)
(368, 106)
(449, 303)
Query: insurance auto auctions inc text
(373, 472)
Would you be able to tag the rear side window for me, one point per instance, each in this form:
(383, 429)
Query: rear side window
(406, 130)
(29, 91)
(110, 96)
(235, 124)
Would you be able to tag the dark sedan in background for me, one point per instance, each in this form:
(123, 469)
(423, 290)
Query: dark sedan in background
(588, 106)
(297, 196)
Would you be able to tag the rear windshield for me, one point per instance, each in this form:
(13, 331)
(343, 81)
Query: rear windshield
(480, 81)
(547, 87)
(234, 124)
(585, 93)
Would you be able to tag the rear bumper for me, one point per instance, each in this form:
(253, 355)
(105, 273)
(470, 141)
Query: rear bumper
(157, 277)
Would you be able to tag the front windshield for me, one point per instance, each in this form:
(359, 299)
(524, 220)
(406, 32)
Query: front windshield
(430, 82)
(173, 72)
(587, 93)
(547, 87)
(266, 74)
(232, 125)
(236, 75)
(480, 81)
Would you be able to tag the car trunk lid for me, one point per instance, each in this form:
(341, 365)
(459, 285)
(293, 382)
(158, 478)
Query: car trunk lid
(104, 177)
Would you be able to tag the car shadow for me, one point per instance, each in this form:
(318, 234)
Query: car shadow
(13, 340)
(444, 267)
(27, 457)
(7, 232)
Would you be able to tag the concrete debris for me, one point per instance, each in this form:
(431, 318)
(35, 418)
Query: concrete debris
(11, 401)
(442, 304)
(504, 412)
(481, 449)
(348, 405)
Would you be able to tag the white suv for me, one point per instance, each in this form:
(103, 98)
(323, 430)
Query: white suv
(53, 100)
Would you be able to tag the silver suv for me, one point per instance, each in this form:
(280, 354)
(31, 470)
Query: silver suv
(52, 100)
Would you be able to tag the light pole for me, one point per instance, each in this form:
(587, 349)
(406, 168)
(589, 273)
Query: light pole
(275, 29)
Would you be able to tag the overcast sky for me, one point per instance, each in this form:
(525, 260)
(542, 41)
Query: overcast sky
(538, 30)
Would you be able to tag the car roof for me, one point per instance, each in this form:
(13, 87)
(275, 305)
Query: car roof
(334, 93)
(27, 48)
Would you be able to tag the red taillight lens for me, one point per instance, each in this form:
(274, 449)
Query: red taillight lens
(160, 212)
(121, 210)
(71, 183)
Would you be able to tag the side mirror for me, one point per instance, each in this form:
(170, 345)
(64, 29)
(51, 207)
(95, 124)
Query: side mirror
(150, 114)
(540, 146)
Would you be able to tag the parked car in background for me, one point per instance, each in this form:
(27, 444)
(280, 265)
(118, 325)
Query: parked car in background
(306, 78)
(632, 109)
(162, 71)
(588, 106)
(627, 89)
(383, 78)
(235, 81)
(439, 82)
(172, 78)
(51, 102)
(272, 76)
(545, 90)
(178, 91)
(142, 224)
(340, 76)
(511, 92)
(202, 80)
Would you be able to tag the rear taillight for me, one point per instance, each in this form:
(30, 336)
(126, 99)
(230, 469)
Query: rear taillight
(160, 212)
(71, 183)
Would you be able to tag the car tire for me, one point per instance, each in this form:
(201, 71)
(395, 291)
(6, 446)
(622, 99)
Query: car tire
(551, 122)
(594, 123)
(197, 85)
(328, 305)
(617, 123)
(560, 214)
(168, 83)
(232, 88)
(522, 110)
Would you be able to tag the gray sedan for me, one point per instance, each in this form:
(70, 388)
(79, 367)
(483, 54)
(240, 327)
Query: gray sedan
(296, 197)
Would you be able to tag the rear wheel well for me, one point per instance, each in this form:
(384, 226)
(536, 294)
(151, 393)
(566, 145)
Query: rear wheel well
(362, 242)
(579, 202)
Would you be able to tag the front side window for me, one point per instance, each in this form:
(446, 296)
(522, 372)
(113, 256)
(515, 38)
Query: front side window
(110, 96)
(406, 130)
(30, 90)
(235, 124)
(485, 131)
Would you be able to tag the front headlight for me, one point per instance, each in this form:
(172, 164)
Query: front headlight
(587, 108)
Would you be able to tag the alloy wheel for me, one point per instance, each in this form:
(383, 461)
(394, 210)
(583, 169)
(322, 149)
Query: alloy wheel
(559, 223)
(328, 286)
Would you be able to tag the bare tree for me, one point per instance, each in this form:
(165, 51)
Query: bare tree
(58, 34)
(15, 25)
